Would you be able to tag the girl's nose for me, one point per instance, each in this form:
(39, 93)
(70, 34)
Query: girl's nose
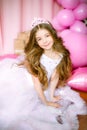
(44, 40)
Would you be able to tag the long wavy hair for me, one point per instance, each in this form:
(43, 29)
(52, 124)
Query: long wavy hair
(33, 53)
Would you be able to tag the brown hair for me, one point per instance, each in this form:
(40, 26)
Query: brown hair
(33, 53)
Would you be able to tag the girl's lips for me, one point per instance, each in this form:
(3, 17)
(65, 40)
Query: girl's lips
(47, 44)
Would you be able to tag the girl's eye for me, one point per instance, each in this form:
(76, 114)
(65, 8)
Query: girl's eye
(47, 35)
(38, 39)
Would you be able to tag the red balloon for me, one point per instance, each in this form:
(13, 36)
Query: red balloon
(78, 80)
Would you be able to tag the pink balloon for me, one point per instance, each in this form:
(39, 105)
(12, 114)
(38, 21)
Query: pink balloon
(81, 11)
(78, 80)
(12, 56)
(59, 1)
(83, 1)
(56, 24)
(66, 17)
(65, 32)
(69, 4)
(76, 43)
(79, 26)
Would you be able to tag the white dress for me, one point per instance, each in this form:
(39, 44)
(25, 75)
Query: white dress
(21, 108)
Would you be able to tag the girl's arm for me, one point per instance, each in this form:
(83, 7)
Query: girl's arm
(53, 85)
(40, 92)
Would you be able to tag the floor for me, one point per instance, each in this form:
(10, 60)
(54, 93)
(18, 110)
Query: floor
(83, 119)
(83, 122)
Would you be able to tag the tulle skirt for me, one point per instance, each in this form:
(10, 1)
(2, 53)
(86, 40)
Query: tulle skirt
(21, 108)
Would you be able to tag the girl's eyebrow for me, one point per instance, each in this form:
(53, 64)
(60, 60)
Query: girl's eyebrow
(37, 37)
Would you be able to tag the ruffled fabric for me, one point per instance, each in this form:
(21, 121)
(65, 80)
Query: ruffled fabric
(21, 108)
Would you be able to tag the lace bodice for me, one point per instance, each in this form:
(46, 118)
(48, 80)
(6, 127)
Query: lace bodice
(50, 64)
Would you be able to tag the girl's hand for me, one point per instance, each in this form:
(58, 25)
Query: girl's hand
(55, 98)
(53, 104)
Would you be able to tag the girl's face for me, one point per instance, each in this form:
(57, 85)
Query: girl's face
(44, 39)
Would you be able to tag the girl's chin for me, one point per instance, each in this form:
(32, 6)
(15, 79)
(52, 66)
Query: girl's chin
(47, 48)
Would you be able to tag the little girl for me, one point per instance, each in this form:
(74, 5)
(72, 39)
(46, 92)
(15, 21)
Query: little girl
(34, 94)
